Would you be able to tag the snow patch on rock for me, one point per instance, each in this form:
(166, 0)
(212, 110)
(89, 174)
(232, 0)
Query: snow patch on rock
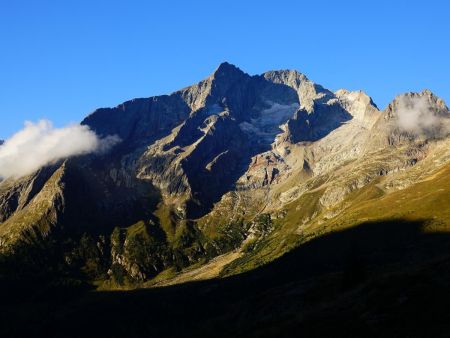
(268, 124)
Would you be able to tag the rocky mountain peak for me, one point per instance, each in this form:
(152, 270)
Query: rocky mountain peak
(307, 91)
(411, 119)
(434, 99)
(416, 102)
(292, 78)
(215, 88)
(227, 70)
(206, 169)
(358, 95)
(359, 105)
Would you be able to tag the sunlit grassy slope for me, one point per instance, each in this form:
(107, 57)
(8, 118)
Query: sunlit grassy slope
(427, 201)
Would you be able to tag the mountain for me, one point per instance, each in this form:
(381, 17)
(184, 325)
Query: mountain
(230, 174)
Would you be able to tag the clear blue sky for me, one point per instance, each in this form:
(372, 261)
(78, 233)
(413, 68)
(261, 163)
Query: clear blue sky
(62, 59)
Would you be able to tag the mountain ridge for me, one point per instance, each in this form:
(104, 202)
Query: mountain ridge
(229, 163)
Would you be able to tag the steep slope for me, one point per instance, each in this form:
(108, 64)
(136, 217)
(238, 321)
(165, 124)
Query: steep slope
(406, 179)
(250, 164)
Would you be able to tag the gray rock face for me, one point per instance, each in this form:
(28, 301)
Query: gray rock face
(228, 145)
(234, 117)
(16, 195)
(139, 121)
(196, 144)
(320, 111)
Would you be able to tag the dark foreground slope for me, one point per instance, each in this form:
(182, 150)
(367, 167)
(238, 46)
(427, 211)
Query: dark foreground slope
(377, 279)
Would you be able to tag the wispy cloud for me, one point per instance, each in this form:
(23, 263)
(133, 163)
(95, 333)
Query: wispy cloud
(416, 115)
(39, 144)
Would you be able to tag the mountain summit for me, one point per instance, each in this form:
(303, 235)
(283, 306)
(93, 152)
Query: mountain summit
(300, 209)
(237, 166)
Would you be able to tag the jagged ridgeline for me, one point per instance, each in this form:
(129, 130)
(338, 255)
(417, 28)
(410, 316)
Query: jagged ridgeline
(224, 176)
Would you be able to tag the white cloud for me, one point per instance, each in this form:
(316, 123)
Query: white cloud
(39, 144)
(417, 116)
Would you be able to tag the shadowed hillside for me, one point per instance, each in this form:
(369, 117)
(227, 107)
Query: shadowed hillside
(376, 279)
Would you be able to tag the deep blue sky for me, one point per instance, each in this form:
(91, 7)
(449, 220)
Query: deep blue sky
(62, 59)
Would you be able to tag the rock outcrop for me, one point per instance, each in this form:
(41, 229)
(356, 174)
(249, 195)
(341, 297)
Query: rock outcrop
(195, 168)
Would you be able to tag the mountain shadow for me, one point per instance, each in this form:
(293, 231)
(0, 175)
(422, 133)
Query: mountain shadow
(385, 279)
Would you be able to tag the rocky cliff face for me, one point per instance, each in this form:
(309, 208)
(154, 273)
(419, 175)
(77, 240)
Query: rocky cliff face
(196, 169)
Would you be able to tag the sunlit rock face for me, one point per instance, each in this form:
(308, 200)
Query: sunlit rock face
(228, 148)
(233, 131)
